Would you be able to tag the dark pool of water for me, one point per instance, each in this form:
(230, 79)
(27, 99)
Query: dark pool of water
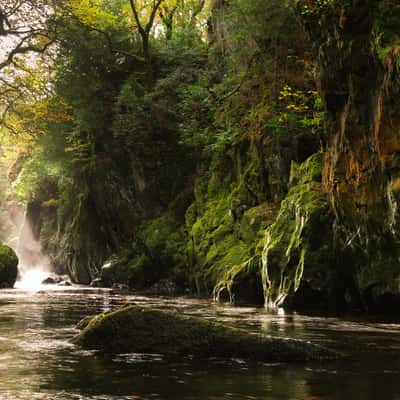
(38, 361)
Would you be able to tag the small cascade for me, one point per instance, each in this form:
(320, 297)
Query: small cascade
(33, 266)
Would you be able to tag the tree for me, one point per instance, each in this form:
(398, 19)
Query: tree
(27, 31)
(145, 28)
(23, 28)
(167, 16)
(187, 11)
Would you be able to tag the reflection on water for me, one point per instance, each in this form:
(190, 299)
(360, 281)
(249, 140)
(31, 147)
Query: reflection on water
(37, 360)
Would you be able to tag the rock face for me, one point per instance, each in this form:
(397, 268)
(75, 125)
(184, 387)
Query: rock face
(136, 329)
(297, 209)
(298, 246)
(359, 81)
(8, 267)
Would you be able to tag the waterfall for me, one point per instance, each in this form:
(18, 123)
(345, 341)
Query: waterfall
(33, 265)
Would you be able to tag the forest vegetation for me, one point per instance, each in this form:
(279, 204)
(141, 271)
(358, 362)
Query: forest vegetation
(246, 150)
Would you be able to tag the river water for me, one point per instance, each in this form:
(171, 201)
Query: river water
(38, 361)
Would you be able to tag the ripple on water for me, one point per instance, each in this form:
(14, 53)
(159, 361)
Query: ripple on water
(135, 358)
(37, 360)
(29, 395)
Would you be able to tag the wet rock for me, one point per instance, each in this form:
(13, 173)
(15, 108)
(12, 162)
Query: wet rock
(98, 283)
(114, 271)
(65, 283)
(56, 280)
(142, 330)
(8, 267)
(164, 287)
(120, 286)
(84, 322)
(294, 248)
(50, 281)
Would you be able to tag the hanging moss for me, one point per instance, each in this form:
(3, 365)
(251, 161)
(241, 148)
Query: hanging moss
(224, 244)
(300, 238)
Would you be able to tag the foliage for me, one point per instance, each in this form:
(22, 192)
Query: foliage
(387, 32)
(293, 246)
(314, 7)
(8, 267)
(137, 93)
(34, 178)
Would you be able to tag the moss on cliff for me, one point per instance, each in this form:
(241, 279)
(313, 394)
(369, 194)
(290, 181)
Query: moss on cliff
(299, 243)
(224, 243)
(358, 60)
(158, 252)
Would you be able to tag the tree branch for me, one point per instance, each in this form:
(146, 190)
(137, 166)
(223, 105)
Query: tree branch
(23, 48)
(156, 6)
(136, 16)
(198, 10)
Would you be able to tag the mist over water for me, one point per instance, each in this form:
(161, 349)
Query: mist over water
(33, 266)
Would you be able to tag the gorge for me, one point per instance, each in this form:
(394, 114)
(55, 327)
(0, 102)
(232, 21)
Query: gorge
(237, 152)
(262, 174)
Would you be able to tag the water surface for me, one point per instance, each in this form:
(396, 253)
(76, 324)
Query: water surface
(38, 361)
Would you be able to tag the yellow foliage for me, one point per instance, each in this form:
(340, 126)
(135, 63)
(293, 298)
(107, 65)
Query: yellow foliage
(92, 13)
(50, 203)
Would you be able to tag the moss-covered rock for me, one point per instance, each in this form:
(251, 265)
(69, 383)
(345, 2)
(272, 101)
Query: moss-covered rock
(141, 330)
(224, 247)
(359, 83)
(157, 252)
(298, 245)
(8, 267)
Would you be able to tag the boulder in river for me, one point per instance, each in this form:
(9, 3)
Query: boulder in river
(121, 287)
(65, 283)
(134, 329)
(50, 281)
(8, 267)
(97, 283)
(84, 322)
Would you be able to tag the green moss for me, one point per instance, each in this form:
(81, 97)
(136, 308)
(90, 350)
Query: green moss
(255, 220)
(224, 241)
(158, 252)
(294, 242)
(191, 216)
(386, 26)
(239, 263)
(249, 191)
(8, 267)
(309, 171)
(139, 272)
(140, 330)
(314, 7)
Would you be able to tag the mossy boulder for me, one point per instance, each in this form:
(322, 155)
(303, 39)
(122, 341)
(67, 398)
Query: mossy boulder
(142, 330)
(8, 267)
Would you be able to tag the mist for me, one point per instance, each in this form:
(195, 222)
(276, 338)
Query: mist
(33, 266)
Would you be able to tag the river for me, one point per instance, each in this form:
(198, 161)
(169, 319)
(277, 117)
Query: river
(38, 361)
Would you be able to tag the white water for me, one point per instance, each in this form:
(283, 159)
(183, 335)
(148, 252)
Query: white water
(33, 266)
(31, 279)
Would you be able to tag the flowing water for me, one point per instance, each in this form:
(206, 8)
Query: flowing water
(38, 361)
